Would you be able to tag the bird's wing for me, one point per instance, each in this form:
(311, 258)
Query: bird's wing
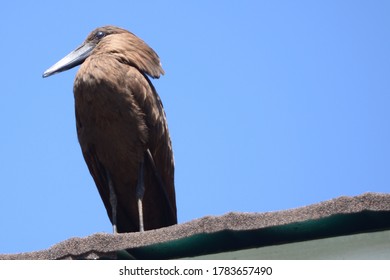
(160, 160)
(98, 172)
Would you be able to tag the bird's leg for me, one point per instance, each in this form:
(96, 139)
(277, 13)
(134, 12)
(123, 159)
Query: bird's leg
(113, 202)
(140, 194)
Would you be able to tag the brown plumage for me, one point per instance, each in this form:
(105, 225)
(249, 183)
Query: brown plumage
(122, 128)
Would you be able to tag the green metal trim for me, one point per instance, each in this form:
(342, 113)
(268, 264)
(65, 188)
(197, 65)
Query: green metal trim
(361, 246)
(228, 240)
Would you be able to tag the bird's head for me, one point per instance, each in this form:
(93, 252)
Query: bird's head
(117, 42)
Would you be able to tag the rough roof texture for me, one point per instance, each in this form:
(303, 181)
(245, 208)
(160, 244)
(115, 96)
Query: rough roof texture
(233, 231)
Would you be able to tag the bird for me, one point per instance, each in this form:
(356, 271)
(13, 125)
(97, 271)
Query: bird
(122, 128)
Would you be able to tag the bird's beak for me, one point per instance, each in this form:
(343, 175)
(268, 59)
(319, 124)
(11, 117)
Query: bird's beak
(73, 59)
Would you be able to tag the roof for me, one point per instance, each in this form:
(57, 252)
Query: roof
(233, 232)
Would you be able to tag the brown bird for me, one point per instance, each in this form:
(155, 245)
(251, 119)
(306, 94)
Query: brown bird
(122, 128)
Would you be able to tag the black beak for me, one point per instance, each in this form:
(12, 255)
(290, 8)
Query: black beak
(73, 59)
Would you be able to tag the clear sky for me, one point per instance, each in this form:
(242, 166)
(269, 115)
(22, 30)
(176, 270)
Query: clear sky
(271, 105)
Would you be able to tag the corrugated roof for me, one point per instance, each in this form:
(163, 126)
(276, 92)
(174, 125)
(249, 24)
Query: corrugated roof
(234, 231)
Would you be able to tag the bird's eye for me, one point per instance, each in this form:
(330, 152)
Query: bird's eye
(100, 34)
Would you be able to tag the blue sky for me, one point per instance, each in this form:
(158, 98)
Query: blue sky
(271, 105)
